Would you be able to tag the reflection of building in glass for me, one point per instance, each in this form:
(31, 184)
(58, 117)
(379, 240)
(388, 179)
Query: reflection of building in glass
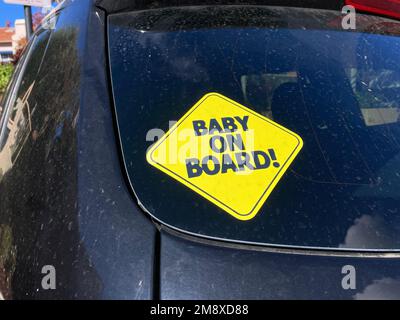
(17, 132)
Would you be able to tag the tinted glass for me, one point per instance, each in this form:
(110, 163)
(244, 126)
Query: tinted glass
(339, 90)
(17, 118)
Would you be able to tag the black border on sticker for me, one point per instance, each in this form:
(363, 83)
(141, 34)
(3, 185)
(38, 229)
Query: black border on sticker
(247, 110)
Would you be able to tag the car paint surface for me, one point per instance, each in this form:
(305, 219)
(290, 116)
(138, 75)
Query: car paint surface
(66, 202)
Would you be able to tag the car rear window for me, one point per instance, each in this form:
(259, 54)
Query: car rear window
(339, 90)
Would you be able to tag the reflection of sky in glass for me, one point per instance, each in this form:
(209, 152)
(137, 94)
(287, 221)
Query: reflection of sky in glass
(382, 289)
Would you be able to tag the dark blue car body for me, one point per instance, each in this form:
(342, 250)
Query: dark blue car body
(66, 200)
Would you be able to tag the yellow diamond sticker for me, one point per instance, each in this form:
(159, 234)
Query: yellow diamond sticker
(227, 153)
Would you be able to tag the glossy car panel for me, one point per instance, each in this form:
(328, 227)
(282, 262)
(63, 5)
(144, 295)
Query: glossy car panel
(196, 270)
(63, 200)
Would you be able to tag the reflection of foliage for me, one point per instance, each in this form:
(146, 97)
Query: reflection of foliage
(7, 260)
(37, 18)
(378, 88)
(5, 75)
(368, 100)
(21, 44)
